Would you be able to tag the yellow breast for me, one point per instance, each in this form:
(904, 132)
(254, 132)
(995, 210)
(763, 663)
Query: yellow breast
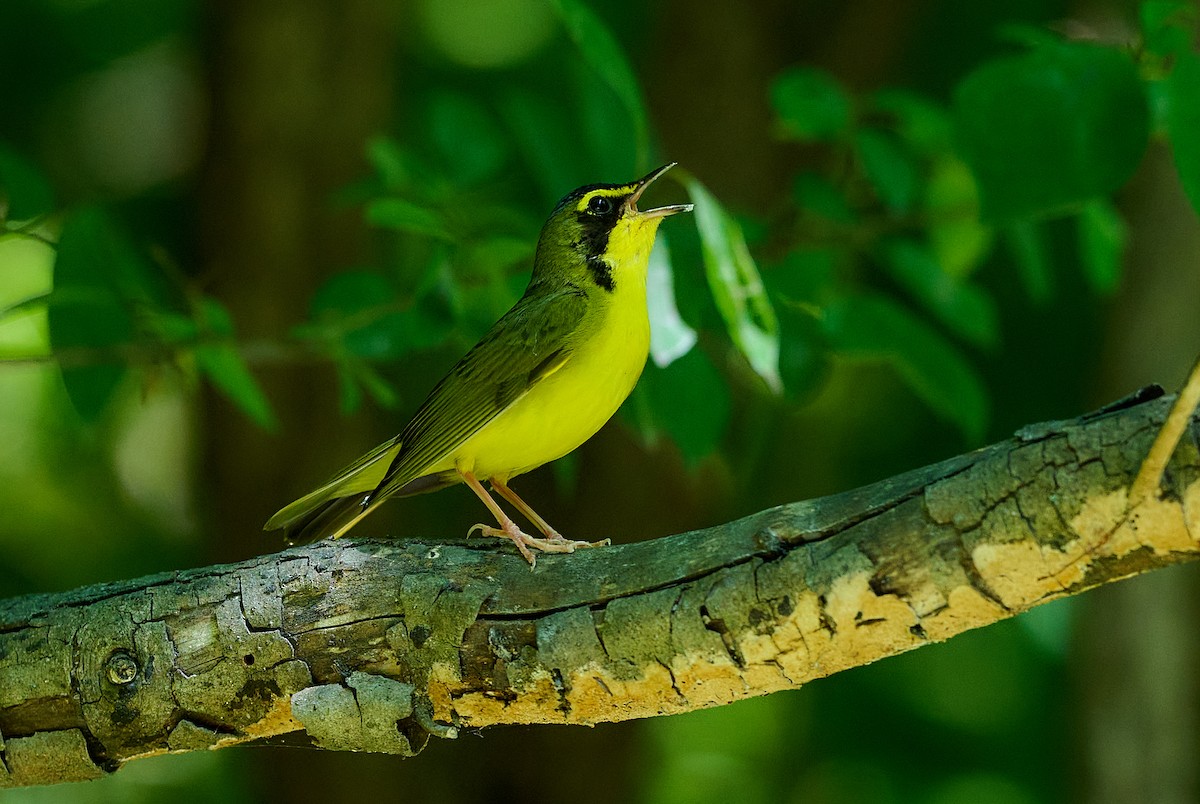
(567, 407)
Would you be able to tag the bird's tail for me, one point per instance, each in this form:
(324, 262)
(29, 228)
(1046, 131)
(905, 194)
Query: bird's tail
(329, 519)
(333, 508)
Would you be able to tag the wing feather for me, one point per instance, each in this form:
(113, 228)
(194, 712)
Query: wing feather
(532, 341)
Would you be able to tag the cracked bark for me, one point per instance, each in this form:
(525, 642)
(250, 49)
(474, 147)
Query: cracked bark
(375, 645)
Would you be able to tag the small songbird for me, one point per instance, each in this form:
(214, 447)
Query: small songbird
(542, 381)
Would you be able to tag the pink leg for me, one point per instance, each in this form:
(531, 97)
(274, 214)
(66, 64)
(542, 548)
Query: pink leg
(509, 529)
(533, 516)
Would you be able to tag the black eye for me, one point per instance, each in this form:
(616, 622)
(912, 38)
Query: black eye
(600, 205)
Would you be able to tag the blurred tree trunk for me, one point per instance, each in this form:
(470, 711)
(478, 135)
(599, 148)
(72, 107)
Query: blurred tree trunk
(297, 89)
(298, 86)
(1137, 653)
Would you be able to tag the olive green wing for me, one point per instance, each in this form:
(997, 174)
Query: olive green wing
(530, 342)
(533, 340)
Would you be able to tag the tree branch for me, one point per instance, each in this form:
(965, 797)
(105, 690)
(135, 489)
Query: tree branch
(374, 645)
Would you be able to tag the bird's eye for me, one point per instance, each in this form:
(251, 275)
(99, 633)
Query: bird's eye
(600, 205)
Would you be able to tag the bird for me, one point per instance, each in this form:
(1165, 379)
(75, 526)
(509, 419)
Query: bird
(540, 382)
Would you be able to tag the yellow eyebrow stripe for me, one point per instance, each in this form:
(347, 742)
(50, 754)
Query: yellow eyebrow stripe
(610, 192)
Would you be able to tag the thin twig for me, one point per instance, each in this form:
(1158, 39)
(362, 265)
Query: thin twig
(1149, 476)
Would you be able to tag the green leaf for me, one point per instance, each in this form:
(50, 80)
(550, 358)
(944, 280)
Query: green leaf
(97, 326)
(1102, 239)
(391, 162)
(213, 319)
(108, 258)
(494, 256)
(25, 305)
(670, 336)
(88, 315)
(1158, 96)
(890, 170)
(26, 283)
(475, 307)
(405, 216)
(547, 139)
(349, 391)
(604, 54)
(736, 286)
(349, 292)
(803, 352)
(959, 240)
(811, 105)
(875, 329)
(226, 370)
(433, 318)
(219, 360)
(922, 124)
(604, 126)
(359, 313)
(24, 192)
(964, 308)
(174, 328)
(695, 428)
(1183, 122)
(380, 390)
(816, 195)
(806, 277)
(1168, 26)
(1027, 242)
(354, 375)
(100, 34)
(1053, 127)
(1027, 35)
(466, 137)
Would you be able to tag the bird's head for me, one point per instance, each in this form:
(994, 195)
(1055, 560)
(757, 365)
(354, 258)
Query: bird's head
(599, 229)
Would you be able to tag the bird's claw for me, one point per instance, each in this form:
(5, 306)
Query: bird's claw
(523, 541)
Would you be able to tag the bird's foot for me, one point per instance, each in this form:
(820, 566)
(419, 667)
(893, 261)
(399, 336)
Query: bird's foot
(551, 544)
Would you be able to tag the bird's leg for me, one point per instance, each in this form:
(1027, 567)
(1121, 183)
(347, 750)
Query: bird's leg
(526, 510)
(509, 529)
(533, 516)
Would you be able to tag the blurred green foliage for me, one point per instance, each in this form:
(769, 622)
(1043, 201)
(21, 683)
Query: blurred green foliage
(917, 240)
(1082, 131)
(894, 196)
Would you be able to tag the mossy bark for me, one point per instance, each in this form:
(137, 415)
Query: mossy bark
(373, 645)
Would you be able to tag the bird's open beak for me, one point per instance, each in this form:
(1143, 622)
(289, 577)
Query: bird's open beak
(659, 212)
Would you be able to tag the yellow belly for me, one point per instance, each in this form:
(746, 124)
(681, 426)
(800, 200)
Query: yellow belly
(566, 408)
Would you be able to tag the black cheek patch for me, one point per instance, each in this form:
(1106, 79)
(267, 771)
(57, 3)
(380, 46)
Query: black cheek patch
(601, 273)
(593, 242)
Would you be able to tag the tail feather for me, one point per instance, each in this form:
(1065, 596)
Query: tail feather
(310, 519)
(338, 503)
(331, 518)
